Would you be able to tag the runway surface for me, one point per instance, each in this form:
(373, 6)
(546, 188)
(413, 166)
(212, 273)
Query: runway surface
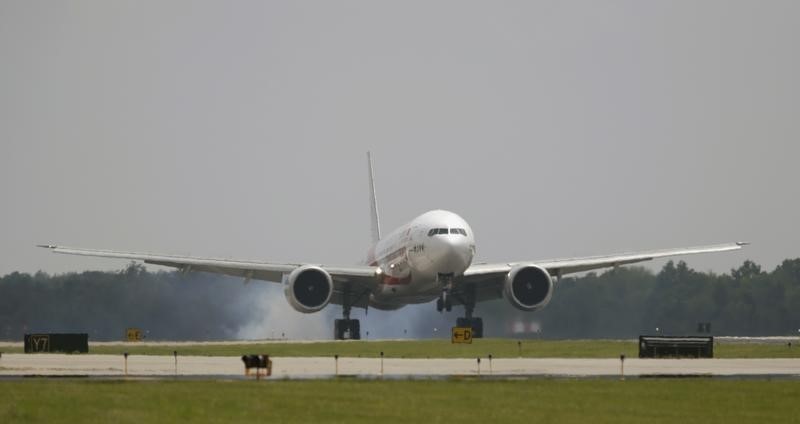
(12, 365)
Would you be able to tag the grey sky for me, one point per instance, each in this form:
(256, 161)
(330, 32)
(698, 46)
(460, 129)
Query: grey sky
(238, 129)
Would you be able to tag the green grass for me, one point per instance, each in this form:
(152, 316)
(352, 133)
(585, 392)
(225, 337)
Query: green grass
(498, 348)
(529, 401)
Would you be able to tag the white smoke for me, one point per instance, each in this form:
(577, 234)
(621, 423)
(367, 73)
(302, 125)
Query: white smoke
(271, 317)
(274, 318)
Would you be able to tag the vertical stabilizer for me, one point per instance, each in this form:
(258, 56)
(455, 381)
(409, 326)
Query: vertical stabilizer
(373, 202)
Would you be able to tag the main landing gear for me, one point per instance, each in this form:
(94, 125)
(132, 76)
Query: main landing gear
(476, 323)
(467, 298)
(346, 328)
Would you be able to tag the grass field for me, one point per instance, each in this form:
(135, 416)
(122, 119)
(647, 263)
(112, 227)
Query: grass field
(498, 348)
(542, 400)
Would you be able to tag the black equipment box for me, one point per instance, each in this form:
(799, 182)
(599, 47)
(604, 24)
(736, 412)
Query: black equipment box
(676, 347)
(255, 361)
(261, 363)
(58, 342)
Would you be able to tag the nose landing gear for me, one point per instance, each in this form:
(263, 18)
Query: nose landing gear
(443, 302)
(467, 298)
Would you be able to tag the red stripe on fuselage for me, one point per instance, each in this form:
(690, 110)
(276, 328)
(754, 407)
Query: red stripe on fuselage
(395, 281)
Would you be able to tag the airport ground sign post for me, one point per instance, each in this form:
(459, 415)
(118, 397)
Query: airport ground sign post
(133, 334)
(461, 335)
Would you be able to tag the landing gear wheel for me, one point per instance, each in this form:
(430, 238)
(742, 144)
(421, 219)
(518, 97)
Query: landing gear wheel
(346, 329)
(439, 305)
(477, 328)
(476, 324)
(338, 329)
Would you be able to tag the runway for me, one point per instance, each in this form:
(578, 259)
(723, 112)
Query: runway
(16, 365)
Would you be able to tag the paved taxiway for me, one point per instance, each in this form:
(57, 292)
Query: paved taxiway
(319, 367)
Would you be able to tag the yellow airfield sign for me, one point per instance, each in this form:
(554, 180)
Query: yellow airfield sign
(134, 334)
(462, 335)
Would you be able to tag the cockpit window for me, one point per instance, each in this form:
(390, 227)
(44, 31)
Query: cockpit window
(435, 231)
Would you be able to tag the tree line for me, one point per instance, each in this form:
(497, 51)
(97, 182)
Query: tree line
(167, 305)
(619, 303)
(629, 301)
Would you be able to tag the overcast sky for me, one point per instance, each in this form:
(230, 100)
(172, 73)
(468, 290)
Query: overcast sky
(555, 128)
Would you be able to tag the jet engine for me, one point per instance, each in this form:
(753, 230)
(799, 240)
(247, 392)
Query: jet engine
(308, 289)
(528, 287)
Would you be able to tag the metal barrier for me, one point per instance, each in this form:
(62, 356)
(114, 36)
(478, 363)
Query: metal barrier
(676, 347)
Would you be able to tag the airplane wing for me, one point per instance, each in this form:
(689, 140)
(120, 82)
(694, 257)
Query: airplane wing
(362, 277)
(488, 278)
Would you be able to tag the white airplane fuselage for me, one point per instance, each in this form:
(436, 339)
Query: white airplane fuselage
(418, 259)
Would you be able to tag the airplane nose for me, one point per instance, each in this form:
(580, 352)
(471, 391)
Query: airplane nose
(456, 254)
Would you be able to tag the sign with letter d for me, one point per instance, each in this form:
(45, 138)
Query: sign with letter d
(462, 335)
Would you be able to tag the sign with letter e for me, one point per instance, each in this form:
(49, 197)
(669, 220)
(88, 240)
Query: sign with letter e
(462, 335)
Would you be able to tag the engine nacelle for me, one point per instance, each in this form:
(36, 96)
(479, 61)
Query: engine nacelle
(528, 287)
(308, 289)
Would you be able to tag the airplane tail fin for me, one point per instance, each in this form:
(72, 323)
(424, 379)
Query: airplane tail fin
(373, 202)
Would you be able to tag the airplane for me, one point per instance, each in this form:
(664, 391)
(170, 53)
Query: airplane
(429, 258)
